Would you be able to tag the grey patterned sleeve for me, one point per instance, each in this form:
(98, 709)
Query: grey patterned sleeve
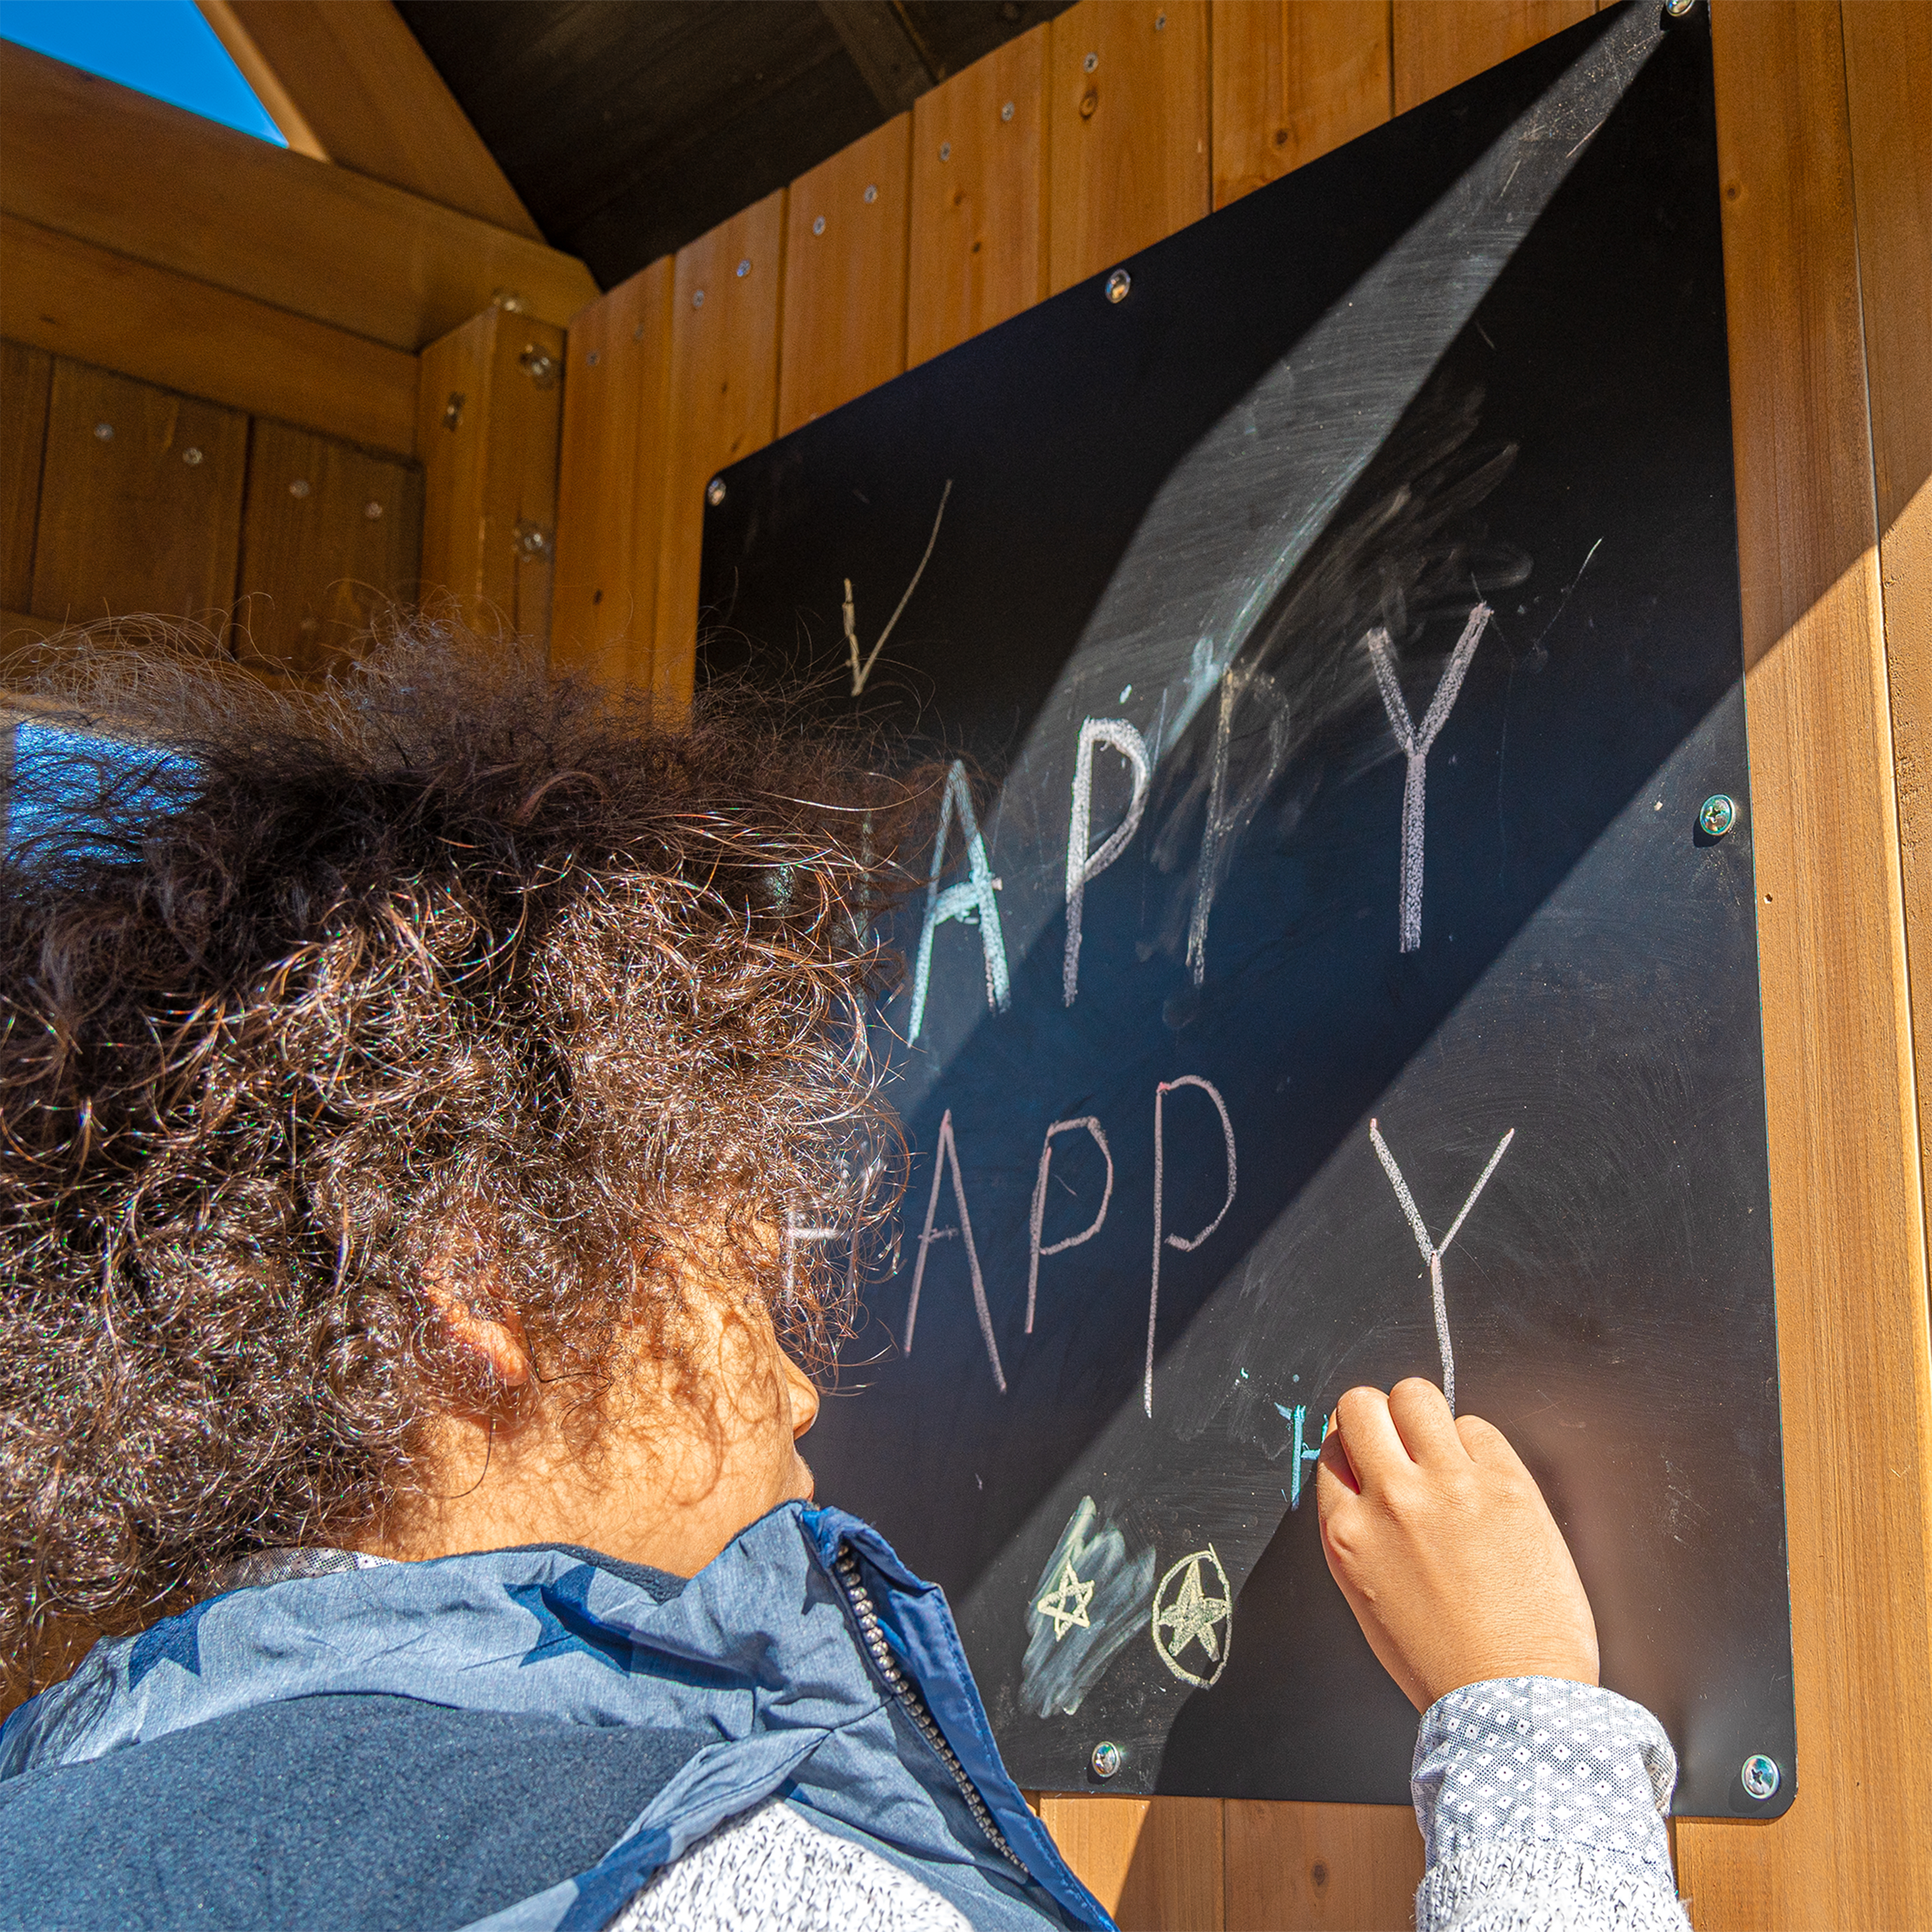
(1541, 1804)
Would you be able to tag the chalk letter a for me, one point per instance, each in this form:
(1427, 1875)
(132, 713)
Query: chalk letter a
(948, 1152)
(971, 901)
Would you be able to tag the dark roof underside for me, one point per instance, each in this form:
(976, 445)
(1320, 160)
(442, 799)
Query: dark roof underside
(630, 126)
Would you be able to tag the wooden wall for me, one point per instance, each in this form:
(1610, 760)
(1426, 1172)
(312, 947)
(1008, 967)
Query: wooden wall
(1120, 121)
(260, 331)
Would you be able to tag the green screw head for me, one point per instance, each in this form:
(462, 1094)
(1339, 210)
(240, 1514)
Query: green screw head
(1717, 814)
(1106, 1760)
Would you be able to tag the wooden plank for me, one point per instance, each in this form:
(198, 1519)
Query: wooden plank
(844, 307)
(1296, 1867)
(1888, 81)
(724, 405)
(140, 501)
(331, 535)
(609, 509)
(1438, 44)
(25, 376)
(1127, 85)
(1292, 79)
(1848, 1237)
(169, 188)
(1154, 1863)
(79, 301)
(357, 84)
(490, 420)
(978, 228)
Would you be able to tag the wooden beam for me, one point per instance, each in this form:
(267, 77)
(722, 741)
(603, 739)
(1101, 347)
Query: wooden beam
(1855, 1383)
(1156, 1863)
(1128, 132)
(352, 85)
(1438, 44)
(845, 327)
(25, 376)
(1888, 70)
(724, 405)
(978, 251)
(1292, 79)
(489, 420)
(79, 301)
(167, 187)
(609, 505)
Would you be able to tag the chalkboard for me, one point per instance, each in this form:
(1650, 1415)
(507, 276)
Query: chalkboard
(1335, 610)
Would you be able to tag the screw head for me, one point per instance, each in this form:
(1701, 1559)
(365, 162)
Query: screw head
(594, 358)
(1677, 9)
(946, 150)
(872, 188)
(1717, 814)
(1160, 23)
(1118, 284)
(299, 487)
(697, 297)
(191, 456)
(1006, 112)
(104, 432)
(1107, 1759)
(818, 225)
(373, 510)
(1090, 63)
(1761, 1777)
(744, 268)
(714, 491)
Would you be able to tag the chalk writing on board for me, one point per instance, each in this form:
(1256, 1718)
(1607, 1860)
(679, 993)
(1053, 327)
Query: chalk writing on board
(862, 671)
(971, 901)
(1305, 1451)
(947, 1153)
(1084, 866)
(1432, 1252)
(1226, 821)
(1067, 1602)
(1415, 746)
(1066, 1657)
(1188, 1613)
(1185, 1244)
(1034, 1250)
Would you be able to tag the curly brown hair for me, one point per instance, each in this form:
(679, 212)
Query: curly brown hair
(298, 988)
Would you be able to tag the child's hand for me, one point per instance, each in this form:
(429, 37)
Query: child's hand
(1444, 1548)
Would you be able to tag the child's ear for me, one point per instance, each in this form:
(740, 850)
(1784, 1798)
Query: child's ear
(493, 1329)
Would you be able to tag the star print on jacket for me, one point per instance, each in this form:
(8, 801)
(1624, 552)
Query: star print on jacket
(566, 1622)
(172, 1640)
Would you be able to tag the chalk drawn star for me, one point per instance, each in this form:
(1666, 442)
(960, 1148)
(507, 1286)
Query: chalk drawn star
(1192, 1615)
(1067, 1602)
(565, 1622)
(172, 1640)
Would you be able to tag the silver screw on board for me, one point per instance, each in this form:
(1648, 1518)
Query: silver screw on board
(1677, 9)
(744, 268)
(191, 457)
(1717, 814)
(818, 225)
(1090, 63)
(1118, 284)
(1107, 1758)
(104, 432)
(1006, 112)
(714, 491)
(1761, 1777)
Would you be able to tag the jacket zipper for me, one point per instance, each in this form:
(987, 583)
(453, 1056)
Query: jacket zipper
(910, 1701)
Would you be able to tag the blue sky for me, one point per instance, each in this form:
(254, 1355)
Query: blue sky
(163, 47)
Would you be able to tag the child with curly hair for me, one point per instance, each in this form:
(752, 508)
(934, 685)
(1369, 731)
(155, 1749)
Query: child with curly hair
(406, 1090)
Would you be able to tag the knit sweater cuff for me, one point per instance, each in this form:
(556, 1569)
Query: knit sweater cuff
(1539, 1799)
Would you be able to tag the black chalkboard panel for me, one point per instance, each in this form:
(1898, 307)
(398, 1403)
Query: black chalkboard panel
(1339, 609)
